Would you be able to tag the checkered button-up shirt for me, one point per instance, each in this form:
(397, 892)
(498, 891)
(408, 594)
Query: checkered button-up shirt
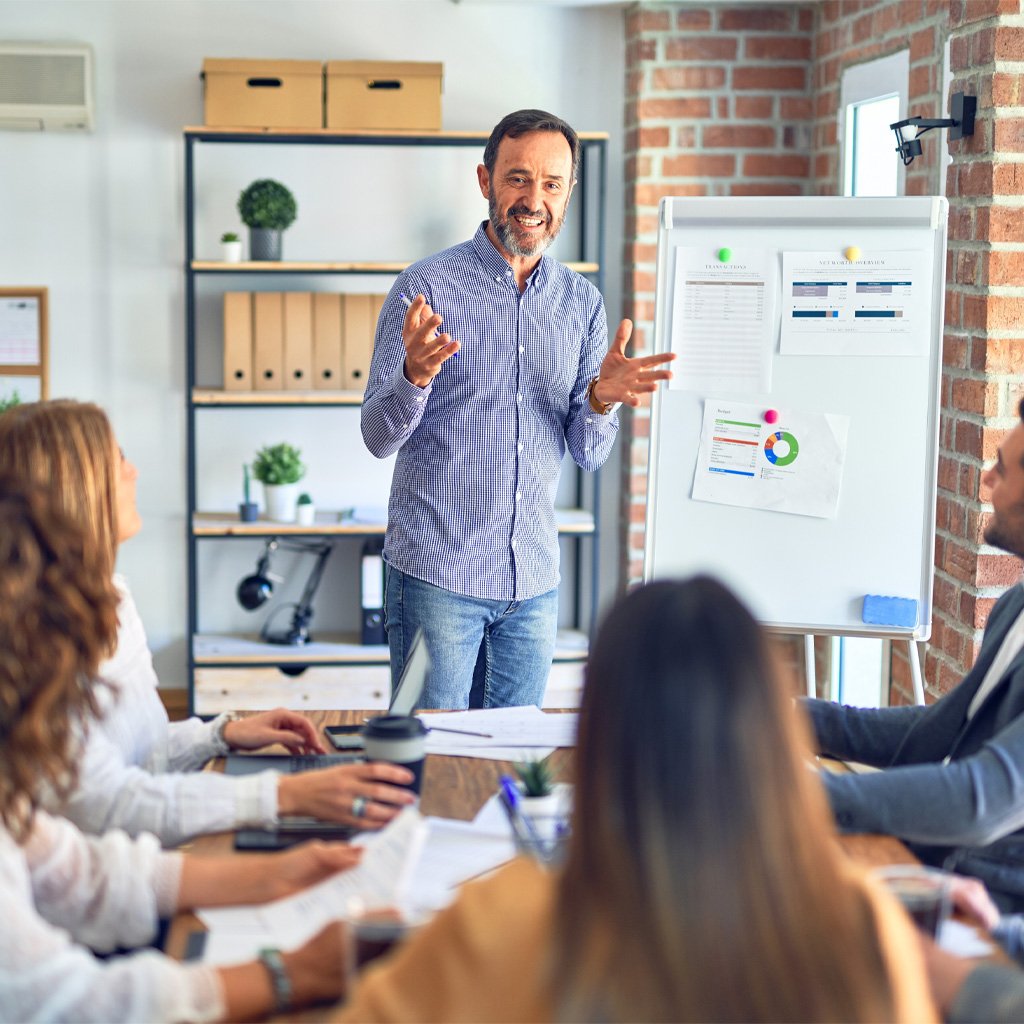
(480, 448)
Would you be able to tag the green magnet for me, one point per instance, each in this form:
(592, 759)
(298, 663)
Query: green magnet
(725, 255)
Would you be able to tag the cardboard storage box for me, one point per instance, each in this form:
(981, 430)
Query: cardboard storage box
(384, 94)
(263, 93)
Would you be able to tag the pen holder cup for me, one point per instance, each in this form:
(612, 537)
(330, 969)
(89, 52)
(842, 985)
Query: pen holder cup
(546, 839)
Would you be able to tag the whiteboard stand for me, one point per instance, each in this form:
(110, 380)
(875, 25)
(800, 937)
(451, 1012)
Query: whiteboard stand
(810, 670)
(915, 671)
(805, 574)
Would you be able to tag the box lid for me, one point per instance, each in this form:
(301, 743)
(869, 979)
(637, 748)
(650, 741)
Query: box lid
(247, 66)
(385, 68)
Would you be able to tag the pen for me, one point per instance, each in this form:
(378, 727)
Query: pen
(408, 304)
(521, 824)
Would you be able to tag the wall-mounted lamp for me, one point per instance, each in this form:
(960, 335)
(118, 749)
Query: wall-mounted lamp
(960, 125)
(257, 589)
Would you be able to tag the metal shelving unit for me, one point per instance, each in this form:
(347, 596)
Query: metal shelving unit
(578, 526)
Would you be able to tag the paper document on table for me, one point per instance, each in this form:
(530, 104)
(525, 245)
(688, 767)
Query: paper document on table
(454, 852)
(723, 320)
(962, 940)
(381, 879)
(507, 731)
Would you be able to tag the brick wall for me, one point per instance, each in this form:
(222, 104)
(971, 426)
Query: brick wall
(744, 101)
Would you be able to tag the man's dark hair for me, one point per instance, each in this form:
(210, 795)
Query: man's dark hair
(523, 121)
(1020, 409)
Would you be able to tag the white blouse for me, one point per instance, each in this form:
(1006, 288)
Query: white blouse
(62, 891)
(139, 770)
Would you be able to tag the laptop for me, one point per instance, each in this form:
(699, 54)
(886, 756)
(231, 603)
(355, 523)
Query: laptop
(404, 701)
(290, 831)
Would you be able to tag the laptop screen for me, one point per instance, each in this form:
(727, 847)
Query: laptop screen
(407, 693)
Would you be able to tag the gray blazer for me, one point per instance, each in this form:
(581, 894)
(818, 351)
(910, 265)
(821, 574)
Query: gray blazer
(967, 814)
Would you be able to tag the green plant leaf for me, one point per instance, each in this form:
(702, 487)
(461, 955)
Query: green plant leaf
(278, 464)
(267, 204)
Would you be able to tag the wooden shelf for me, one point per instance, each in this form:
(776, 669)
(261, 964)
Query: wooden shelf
(328, 267)
(571, 522)
(218, 396)
(370, 134)
(329, 649)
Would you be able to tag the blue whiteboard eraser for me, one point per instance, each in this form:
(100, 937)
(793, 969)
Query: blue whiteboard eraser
(889, 611)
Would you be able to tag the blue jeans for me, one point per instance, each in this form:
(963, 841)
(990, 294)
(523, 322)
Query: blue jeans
(506, 646)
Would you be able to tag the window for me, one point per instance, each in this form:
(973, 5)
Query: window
(873, 96)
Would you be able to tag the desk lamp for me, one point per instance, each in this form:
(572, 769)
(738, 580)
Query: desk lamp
(257, 589)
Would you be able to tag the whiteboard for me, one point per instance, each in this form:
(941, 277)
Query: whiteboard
(805, 573)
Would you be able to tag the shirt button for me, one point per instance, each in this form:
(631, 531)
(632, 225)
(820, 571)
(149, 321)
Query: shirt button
(522, 349)
(519, 397)
(513, 542)
(519, 495)
(519, 447)
(590, 419)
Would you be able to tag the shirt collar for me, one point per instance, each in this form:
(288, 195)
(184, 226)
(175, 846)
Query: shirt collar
(499, 266)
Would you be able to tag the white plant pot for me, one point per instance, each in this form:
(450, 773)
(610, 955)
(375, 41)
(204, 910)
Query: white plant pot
(231, 251)
(544, 812)
(305, 514)
(280, 501)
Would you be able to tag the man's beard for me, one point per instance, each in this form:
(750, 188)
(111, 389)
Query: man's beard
(505, 232)
(1004, 539)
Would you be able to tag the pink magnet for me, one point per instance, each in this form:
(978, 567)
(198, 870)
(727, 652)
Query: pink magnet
(771, 416)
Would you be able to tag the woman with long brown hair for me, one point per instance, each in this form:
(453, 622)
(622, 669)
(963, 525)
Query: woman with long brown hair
(703, 880)
(139, 771)
(63, 893)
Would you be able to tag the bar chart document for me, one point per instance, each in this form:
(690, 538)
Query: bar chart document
(873, 307)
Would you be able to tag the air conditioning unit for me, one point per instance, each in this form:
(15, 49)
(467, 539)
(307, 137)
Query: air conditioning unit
(46, 87)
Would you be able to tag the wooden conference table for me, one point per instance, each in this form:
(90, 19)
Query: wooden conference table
(457, 787)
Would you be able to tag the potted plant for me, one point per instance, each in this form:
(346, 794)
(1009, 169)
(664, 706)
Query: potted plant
(305, 510)
(248, 510)
(266, 207)
(231, 247)
(279, 468)
(11, 401)
(539, 800)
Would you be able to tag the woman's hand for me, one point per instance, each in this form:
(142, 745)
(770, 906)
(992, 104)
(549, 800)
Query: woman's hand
(336, 794)
(289, 728)
(260, 877)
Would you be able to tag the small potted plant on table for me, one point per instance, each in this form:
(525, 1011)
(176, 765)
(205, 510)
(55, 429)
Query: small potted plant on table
(279, 468)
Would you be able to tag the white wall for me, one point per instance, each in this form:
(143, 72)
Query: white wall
(97, 218)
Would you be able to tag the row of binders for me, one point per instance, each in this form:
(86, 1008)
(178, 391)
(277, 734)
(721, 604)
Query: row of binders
(298, 341)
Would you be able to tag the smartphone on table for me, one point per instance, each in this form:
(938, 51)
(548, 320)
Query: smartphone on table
(344, 737)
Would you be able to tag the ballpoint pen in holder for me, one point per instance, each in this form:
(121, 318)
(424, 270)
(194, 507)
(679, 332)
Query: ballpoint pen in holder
(545, 839)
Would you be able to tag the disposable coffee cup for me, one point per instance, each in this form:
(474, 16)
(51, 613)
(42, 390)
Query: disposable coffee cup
(923, 891)
(397, 739)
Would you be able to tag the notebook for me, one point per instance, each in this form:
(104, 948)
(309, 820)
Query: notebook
(404, 701)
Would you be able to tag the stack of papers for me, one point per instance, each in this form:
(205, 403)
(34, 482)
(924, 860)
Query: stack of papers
(237, 934)
(511, 734)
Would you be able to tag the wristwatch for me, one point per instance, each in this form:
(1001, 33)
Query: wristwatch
(601, 408)
(218, 733)
(279, 980)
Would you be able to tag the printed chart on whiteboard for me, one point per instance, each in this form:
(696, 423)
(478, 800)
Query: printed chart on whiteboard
(793, 466)
(19, 331)
(872, 307)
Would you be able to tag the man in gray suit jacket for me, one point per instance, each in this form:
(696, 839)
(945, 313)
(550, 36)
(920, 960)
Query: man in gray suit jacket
(953, 780)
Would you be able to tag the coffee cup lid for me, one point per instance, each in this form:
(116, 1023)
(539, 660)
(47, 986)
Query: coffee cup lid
(394, 727)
